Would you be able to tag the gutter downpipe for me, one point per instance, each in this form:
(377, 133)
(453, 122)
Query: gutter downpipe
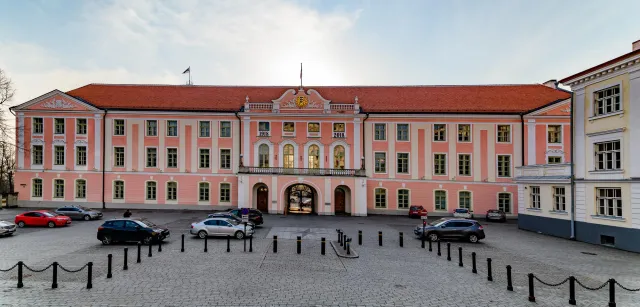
(363, 142)
(522, 137)
(573, 199)
(240, 138)
(104, 134)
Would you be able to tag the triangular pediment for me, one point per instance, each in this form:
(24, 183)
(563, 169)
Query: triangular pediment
(562, 108)
(55, 101)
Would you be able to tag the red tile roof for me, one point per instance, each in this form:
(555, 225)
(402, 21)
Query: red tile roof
(427, 99)
(603, 65)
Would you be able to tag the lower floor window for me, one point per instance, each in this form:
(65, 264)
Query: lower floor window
(558, 198)
(225, 192)
(381, 198)
(151, 190)
(118, 189)
(172, 190)
(58, 188)
(403, 199)
(535, 197)
(465, 200)
(609, 201)
(504, 202)
(37, 188)
(81, 188)
(204, 191)
(441, 200)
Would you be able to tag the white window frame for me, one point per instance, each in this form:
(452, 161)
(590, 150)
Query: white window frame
(336, 134)
(220, 192)
(608, 204)
(408, 132)
(263, 133)
(53, 190)
(593, 139)
(41, 153)
(498, 165)
(295, 153)
(446, 163)
(314, 134)
(230, 159)
(55, 156)
(33, 197)
(470, 199)
(220, 129)
(561, 159)
(375, 199)
(115, 156)
(595, 154)
(75, 189)
(470, 165)
(200, 122)
(510, 136)
(332, 149)
(384, 136)
(408, 172)
(177, 128)
(385, 162)
(320, 154)
(200, 157)
(146, 127)
(398, 199)
(77, 156)
(603, 87)
(64, 126)
(146, 157)
(510, 202)
(166, 196)
(560, 137)
(208, 200)
(559, 199)
(115, 126)
(124, 189)
(33, 126)
(177, 164)
(146, 191)
(289, 133)
(433, 132)
(446, 200)
(535, 197)
(86, 126)
(458, 133)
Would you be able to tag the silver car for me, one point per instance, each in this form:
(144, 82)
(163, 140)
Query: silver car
(220, 227)
(7, 228)
(79, 213)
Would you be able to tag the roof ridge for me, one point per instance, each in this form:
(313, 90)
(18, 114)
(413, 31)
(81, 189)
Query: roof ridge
(314, 86)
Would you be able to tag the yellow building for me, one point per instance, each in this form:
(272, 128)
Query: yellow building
(606, 124)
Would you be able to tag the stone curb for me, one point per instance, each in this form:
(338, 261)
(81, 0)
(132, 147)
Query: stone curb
(341, 252)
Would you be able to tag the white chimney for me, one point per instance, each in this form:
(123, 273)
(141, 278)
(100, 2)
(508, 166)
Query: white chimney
(635, 45)
(553, 83)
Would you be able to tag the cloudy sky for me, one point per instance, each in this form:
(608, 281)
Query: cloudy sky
(64, 44)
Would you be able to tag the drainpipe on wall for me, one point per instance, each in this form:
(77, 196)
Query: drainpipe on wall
(104, 141)
(241, 163)
(573, 200)
(363, 142)
(522, 137)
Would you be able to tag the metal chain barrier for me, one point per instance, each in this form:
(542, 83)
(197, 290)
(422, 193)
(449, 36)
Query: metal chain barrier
(592, 289)
(628, 289)
(9, 269)
(551, 285)
(37, 271)
(72, 271)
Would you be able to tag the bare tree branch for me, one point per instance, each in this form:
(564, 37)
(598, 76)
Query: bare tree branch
(6, 88)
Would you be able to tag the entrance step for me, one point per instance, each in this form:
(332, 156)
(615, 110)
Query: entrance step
(342, 252)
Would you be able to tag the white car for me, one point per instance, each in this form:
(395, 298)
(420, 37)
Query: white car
(463, 213)
(7, 228)
(220, 227)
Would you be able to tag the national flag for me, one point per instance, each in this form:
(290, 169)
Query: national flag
(187, 70)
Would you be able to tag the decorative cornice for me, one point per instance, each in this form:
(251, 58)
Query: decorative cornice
(81, 142)
(607, 131)
(59, 142)
(58, 104)
(607, 71)
(37, 141)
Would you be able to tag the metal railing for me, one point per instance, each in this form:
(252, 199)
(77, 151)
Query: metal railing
(302, 171)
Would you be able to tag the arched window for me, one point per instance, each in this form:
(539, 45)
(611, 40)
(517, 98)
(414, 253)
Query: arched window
(338, 157)
(263, 155)
(314, 156)
(289, 157)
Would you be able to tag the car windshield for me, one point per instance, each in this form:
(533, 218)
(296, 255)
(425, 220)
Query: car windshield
(147, 223)
(84, 208)
(437, 222)
(50, 214)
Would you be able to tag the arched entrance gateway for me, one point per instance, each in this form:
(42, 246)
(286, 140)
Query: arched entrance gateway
(342, 200)
(301, 199)
(261, 196)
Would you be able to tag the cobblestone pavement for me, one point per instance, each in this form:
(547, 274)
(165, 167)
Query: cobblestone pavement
(381, 276)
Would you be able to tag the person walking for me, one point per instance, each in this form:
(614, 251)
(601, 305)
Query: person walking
(127, 213)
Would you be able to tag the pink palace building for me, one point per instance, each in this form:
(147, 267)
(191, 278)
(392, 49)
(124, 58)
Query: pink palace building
(327, 150)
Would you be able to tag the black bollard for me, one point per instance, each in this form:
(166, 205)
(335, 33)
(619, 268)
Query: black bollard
(126, 261)
(139, 248)
(379, 238)
(349, 246)
(489, 275)
(251, 244)
(532, 297)
(359, 237)
(401, 240)
(509, 281)
(89, 273)
(20, 284)
(182, 245)
(159, 246)
(228, 244)
(150, 254)
(340, 237)
(460, 256)
(439, 253)
(572, 290)
(299, 244)
(109, 275)
(345, 243)
(322, 243)
(206, 243)
(473, 263)
(54, 285)
(344, 238)
(422, 239)
(430, 249)
(275, 244)
(448, 251)
(612, 292)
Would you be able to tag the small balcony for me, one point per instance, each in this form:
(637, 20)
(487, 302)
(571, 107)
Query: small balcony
(543, 172)
(302, 171)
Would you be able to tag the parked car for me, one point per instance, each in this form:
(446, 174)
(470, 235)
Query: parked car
(496, 215)
(79, 213)
(417, 211)
(220, 227)
(7, 228)
(227, 215)
(42, 218)
(463, 213)
(255, 215)
(447, 228)
(131, 230)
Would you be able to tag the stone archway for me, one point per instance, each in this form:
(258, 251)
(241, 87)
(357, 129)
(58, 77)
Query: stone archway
(261, 197)
(342, 200)
(301, 198)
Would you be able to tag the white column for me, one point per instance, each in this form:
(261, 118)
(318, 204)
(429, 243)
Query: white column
(428, 155)
(521, 195)
(328, 197)
(273, 207)
(452, 155)
(531, 142)
(581, 199)
(391, 153)
(195, 153)
(142, 152)
(477, 154)
(361, 197)
(108, 148)
(215, 154)
(162, 150)
(246, 141)
(21, 148)
(243, 191)
(516, 143)
(357, 142)
(579, 136)
(413, 156)
(129, 147)
(98, 142)
(235, 147)
(634, 124)
(182, 148)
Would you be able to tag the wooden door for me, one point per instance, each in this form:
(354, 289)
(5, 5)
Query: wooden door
(263, 199)
(340, 201)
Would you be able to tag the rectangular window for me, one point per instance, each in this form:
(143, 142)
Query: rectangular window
(441, 200)
(440, 164)
(607, 101)
(36, 155)
(59, 125)
(504, 202)
(380, 132)
(464, 165)
(152, 157)
(558, 199)
(59, 155)
(464, 133)
(554, 160)
(118, 156)
(58, 188)
(535, 197)
(172, 190)
(504, 166)
(205, 129)
(172, 157)
(152, 128)
(403, 199)
(381, 198)
(402, 133)
(464, 200)
(118, 189)
(81, 189)
(38, 125)
(81, 155)
(118, 127)
(607, 155)
(439, 132)
(225, 129)
(151, 190)
(264, 129)
(555, 134)
(339, 130)
(381, 162)
(81, 126)
(225, 158)
(313, 127)
(609, 201)
(37, 188)
(403, 163)
(204, 158)
(289, 127)
(225, 192)
(204, 191)
(172, 128)
(504, 133)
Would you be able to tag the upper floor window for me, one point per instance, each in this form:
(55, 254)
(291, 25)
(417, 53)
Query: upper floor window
(59, 155)
(554, 160)
(264, 129)
(555, 134)
(152, 128)
(152, 157)
(204, 158)
(313, 127)
(439, 132)
(402, 133)
(607, 155)
(403, 163)
(263, 155)
(504, 166)
(380, 132)
(380, 163)
(59, 125)
(81, 155)
(172, 128)
(289, 156)
(609, 201)
(172, 157)
(440, 164)
(118, 153)
(225, 158)
(225, 129)
(607, 101)
(403, 199)
(289, 127)
(504, 133)
(535, 197)
(464, 133)
(118, 127)
(314, 156)
(464, 199)
(338, 157)
(339, 130)
(36, 155)
(38, 125)
(464, 165)
(205, 129)
(380, 198)
(504, 202)
(81, 126)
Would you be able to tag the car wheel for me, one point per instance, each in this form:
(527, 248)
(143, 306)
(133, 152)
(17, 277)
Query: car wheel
(21, 224)
(503, 220)
(239, 235)
(51, 224)
(147, 240)
(473, 238)
(202, 234)
(433, 237)
(87, 218)
(106, 240)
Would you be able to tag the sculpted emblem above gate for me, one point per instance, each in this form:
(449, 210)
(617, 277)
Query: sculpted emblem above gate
(302, 101)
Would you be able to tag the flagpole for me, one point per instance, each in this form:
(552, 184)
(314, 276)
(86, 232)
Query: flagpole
(190, 75)
(300, 75)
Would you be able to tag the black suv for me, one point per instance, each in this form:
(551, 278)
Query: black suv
(447, 228)
(255, 215)
(131, 230)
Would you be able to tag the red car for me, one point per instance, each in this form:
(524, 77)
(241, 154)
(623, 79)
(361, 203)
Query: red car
(417, 211)
(42, 218)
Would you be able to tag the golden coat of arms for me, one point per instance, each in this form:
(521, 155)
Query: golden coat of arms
(302, 101)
